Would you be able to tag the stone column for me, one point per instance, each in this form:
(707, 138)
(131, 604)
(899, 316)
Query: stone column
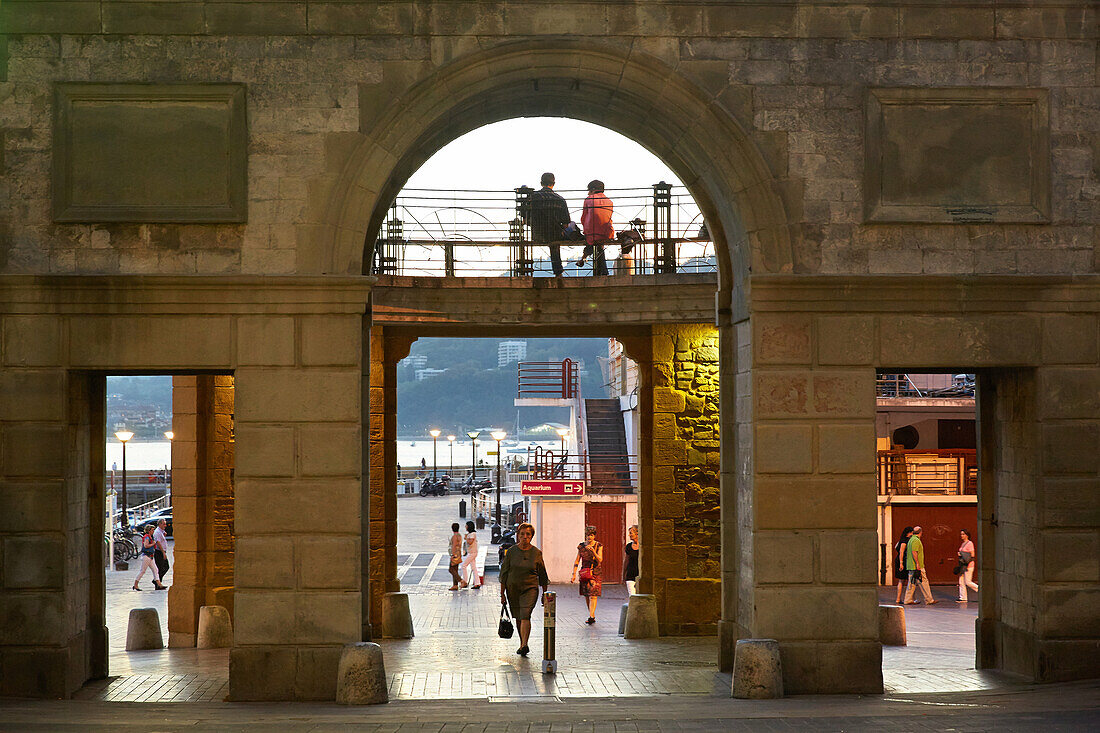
(729, 631)
(51, 639)
(297, 600)
(811, 501)
(202, 502)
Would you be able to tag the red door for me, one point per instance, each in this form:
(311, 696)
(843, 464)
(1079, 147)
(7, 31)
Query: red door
(941, 524)
(609, 519)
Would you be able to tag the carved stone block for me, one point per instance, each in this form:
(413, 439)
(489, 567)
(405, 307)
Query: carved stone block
(150, 153)
(957, 155)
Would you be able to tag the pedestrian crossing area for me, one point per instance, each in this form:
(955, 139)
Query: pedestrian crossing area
(423, 570)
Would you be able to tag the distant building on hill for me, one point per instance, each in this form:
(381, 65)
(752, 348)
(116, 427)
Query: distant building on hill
(511, 351)
(422, 374)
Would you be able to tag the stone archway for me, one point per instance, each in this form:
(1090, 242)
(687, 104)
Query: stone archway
(676, 118)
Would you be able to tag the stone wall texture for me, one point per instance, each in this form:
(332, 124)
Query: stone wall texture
(685, 542)
(783, 116)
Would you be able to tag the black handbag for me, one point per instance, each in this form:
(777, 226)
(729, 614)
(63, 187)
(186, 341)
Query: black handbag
(505, 628)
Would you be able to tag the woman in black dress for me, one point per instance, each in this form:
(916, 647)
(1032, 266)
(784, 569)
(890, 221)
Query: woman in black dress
(630, 567)
(590, 560)
(900, 573)
(521, 574)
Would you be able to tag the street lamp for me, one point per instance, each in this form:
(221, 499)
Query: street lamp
(451, 440)
(435, 436)
(472, 435)
(498, 435)
(167, 482)
(123, 436)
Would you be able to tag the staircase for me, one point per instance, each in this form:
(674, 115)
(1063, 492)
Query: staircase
(609, 467)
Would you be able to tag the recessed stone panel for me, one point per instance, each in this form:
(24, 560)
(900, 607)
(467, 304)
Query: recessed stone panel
(957, 155)
(150, 153)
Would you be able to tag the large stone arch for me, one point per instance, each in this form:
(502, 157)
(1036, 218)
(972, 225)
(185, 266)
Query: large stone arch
(406, 120)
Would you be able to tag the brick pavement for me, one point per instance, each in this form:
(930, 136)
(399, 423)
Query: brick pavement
(456, 654)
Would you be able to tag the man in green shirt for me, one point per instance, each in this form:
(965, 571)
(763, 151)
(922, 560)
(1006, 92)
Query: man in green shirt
(914, 564)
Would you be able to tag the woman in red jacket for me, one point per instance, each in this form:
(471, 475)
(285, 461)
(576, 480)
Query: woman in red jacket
(596, 220)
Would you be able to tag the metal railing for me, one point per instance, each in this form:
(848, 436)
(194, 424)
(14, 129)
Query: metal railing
(138, 514)
(602, 473)
(927, 472)
(548, 379)
(488, 233)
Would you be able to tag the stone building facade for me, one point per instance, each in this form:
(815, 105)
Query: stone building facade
(192, 187)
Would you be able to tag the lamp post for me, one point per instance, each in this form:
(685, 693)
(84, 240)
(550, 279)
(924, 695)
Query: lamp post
(435, 436)
(451, 440)
(498, 435)
(123, 436)
(563, 433)
(472, 435)
(167, 482)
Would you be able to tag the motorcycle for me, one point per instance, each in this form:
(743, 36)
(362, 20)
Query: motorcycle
(435, 487)
(469, 486)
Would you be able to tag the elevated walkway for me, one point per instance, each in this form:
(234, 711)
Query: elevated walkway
(445, 304)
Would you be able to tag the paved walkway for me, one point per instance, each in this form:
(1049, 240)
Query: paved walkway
(457, 655)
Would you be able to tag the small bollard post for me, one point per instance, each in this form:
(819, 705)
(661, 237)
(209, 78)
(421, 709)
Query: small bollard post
(549, 616)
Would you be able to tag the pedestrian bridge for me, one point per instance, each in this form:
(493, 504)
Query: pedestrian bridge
(449, 304)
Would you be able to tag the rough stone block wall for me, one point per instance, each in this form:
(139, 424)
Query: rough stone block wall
(686, 541)
(202, 502)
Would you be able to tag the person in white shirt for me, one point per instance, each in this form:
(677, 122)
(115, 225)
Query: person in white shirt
(160, 556)
(469, 562)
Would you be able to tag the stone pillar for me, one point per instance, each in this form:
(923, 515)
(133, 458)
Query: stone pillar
(1038, 541)
(297, 599)
(202, 502)
(682, 379)
(386, 350)
(812, 501)
(51, 638)
(731, 402)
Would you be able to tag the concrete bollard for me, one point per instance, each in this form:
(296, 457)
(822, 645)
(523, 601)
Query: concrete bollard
(361, 679)
(143, 630)
(215, 628)
(641, 617)
(397, 620)
(622, 618)
(757, 670)
(891, 625)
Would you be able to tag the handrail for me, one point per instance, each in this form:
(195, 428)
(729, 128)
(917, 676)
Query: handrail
(930, 471)
(548, 379)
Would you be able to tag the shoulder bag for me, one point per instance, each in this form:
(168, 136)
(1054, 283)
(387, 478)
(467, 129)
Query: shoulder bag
(505, 628)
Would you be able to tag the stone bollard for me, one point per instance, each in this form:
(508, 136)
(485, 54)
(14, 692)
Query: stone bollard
(397, 620)
(361, 679)
(143, 630)
(622, 618)
(891, 625)
(215, 628)
(641, 617)
(757, 670)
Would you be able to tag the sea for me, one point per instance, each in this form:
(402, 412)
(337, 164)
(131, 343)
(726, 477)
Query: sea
(155, 455)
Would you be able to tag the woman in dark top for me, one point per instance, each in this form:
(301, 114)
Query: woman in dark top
(521, 574)
(900, 573)
(630, 567)
(590, 559)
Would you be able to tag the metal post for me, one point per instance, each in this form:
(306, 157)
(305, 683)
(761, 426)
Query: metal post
(664, 258)
(435, 439)
(549, 622)
(524, 263)
(125, 518)
(498, 487)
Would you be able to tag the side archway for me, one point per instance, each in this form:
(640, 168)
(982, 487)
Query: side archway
(629, 92)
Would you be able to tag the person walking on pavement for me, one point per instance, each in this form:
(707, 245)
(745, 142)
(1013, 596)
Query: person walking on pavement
(160, 554)
(521, 573)
(469, 564)
(630, 567)
(966, 562)
(596, 221)
(548, 215)
(148, 548)
(590, 559)
(900, 572)
(914, 563)
(455, 556)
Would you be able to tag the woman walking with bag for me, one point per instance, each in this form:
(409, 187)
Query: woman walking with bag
(590, 560)
(148, 553)
(966, 565)
(521, 574)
